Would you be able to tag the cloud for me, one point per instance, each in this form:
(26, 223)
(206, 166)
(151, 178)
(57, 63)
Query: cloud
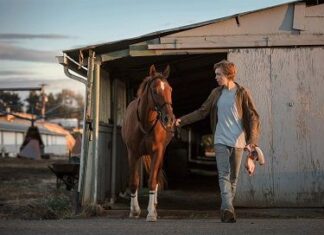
(15, 73)
(28, 80)
(6, 36)
(12, 52)
(51, 85)
(20, 82)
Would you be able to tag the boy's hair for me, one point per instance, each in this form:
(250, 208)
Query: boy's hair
(229, 69)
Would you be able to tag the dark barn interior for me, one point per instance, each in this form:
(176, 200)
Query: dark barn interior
(192, 79)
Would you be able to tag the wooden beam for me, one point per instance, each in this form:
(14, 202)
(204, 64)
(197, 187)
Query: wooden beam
(144, 49)
(190, 51)
(214, 39)
(238, 41)
(138, 49)
(141, 49)
(114, 55)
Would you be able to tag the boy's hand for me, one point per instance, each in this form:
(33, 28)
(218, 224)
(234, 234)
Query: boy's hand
(249, 148)
(249, 166)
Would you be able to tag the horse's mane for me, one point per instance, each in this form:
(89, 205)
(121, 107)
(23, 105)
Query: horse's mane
(141, 89)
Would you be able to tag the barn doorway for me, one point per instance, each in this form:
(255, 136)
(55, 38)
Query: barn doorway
(192, 79)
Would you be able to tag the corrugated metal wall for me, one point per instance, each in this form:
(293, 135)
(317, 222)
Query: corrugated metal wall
(287, 85)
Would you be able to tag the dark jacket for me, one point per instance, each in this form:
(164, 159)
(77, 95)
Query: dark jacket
(245, 108)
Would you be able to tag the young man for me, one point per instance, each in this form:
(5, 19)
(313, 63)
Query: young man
(235, 125)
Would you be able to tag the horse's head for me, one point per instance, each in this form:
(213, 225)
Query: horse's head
(161, 94)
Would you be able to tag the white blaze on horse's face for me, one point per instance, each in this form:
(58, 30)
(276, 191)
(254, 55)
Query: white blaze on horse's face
(162, 84)
(163, 92)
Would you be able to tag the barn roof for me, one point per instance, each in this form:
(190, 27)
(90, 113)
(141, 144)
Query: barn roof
(123, 44)
(23, 125)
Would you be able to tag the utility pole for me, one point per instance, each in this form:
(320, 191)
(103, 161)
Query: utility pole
(44, 100)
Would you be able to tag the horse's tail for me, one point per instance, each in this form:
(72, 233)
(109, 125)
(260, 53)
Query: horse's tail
(162, 181)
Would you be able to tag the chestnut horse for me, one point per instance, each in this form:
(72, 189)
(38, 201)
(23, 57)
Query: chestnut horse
(147, 130)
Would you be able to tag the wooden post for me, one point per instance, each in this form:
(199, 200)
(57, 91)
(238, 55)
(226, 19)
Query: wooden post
(83, 187)
(96, 93)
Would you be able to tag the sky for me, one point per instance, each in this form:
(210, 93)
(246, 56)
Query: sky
(33, 32)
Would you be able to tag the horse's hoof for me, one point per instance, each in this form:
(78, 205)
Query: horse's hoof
(134, 214)
(151, 218)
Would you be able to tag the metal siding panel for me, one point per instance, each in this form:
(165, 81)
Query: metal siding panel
(292, 116)
(285, 108)
(254, 74)
(299, 166)
(315, 121)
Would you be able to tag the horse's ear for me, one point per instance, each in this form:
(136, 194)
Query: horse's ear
(152, 70)
(166, 72)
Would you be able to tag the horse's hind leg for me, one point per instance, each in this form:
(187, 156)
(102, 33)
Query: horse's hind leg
(134, 164)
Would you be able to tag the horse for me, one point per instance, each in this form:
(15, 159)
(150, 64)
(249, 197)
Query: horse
(147, 129)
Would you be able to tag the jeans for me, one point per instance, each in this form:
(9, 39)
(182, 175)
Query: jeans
(228, 164)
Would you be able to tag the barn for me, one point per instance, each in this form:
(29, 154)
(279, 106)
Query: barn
(13, 129)
(279, 52)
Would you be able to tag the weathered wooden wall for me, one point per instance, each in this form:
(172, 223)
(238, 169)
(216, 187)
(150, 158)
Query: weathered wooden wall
(105, 145)
(105, 94)
(287, 86)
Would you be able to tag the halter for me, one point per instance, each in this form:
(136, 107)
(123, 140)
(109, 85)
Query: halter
(158, 108)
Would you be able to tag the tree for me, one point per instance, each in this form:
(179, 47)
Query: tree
(65, 104)
(34, 104)
(10, 100)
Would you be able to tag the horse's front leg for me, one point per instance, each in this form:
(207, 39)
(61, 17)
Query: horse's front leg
(134, 164)
(153, 185)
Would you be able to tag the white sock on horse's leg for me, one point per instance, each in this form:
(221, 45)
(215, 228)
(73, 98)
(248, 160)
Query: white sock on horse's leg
(151, 204)
(134, 206)
(152, 215)
(156, 194)
(134, 200)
